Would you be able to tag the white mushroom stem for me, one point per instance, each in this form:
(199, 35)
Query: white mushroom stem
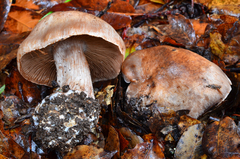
(72, 66)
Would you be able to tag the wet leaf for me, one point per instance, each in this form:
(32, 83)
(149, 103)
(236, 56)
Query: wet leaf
(199, 27)
(4, 9)
(221, 138)
(29, 4)
(87, 152)
(117, 20)
(157, 147)
(147, 8)
(179, 29)
(230, 9)
(25, 90)
(123, 142)
(190, 143)
(216, 45)
(112, 142)
(93, 4)
(122, 7)
(186, 121)
(21, 20)
(131, 137)
(142, 151)
(8, 46)
(161, 120)
(15, 149)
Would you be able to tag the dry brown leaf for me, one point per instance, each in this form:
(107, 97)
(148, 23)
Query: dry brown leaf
(21, 20)
(30, 4)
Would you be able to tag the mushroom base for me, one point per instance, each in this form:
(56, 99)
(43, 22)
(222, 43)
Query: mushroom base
(63, 120)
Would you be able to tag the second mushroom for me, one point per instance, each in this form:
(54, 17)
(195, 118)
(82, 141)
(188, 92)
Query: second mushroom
(174, 78)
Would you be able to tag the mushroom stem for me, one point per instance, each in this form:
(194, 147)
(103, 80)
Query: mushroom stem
(72, 66)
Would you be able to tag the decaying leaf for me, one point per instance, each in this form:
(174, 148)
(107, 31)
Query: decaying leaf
(117, 20)
(216, 44)
(87, 152)
(221, 138)
(8, 46)
(131, 137)
(186, 121)
(179, 29)
(112, 142)
(190, 143)
(123, 142)
(230, 9)
(30, 4)
(21, 20)
(142, 151)
(122, 7)
(25, 90)
(4, 9)
(157, 147)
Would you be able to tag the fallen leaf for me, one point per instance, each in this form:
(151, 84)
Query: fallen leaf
(142, 151)
(131, 137)
(230, 9)
(216, 45)
(116, 20)
(112, 142)
(189, 145)
(21, 20)
(123, 142)
(8, 46)
(157, 147)
(179, 29)
(93, 4)
(29, 4)
(147, 8)
(221, 138)
(198, 26)
(87, 152)
(4, 10)
(25, 90)
(122, 7)
(16, 150)
(185, 122)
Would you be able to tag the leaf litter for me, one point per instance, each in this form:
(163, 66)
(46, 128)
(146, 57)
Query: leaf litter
(211, 31)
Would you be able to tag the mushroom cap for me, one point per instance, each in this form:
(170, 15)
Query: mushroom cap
(105, 49)
(175, 78)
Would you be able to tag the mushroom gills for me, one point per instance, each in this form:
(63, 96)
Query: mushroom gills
(72, 66)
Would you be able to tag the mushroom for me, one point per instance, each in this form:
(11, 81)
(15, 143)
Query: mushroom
(174, 78)
(74, 49)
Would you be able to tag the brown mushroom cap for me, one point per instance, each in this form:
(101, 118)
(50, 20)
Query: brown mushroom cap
(104, 49)
(175, 78)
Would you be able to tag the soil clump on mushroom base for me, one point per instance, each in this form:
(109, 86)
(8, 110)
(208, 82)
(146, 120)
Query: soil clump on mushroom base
(71, 116)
